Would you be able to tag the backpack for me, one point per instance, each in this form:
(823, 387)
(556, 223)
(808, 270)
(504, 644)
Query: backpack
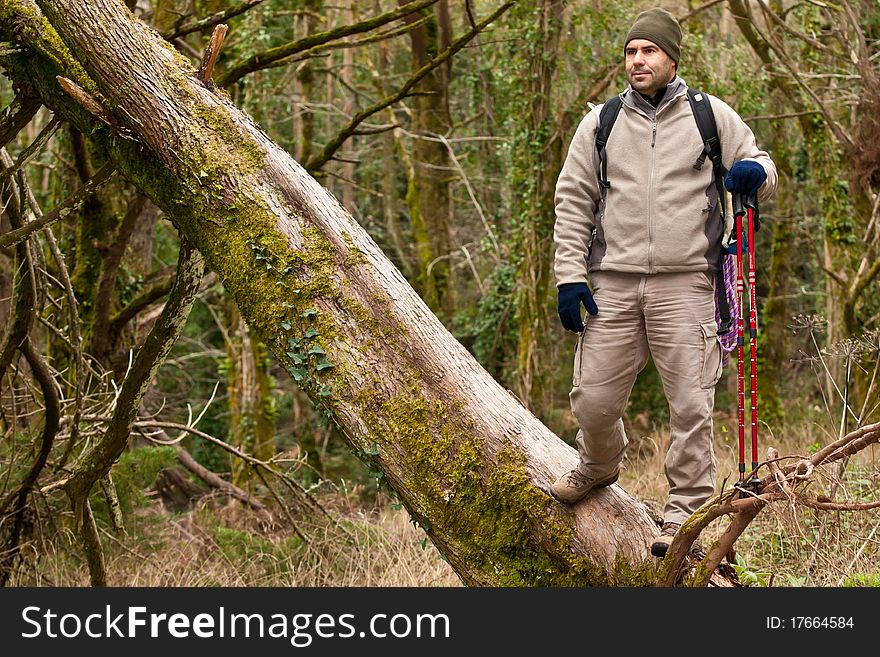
(705, 120)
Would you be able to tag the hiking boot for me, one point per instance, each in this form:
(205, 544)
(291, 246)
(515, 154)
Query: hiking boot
(667, 533)
(574, 485)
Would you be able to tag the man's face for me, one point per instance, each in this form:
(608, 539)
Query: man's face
(648, 67)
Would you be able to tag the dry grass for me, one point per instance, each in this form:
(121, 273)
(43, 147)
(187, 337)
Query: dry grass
(224, 547)
(783, 546)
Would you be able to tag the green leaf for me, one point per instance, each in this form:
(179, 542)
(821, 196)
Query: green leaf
(325, 391)
(299, 374)
(317, 351)
(286, 325)
(311, 332)
(323, 364)
(309, 312)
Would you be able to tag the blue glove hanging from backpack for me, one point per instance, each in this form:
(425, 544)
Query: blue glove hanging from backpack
(731, 247)
(745, 177)
(571, 295)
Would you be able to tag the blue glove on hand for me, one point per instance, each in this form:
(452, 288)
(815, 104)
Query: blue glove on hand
(745, 177)
(571, 295)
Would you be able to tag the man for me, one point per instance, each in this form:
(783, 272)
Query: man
(650, 242)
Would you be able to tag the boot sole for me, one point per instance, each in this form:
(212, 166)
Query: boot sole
(659, 549)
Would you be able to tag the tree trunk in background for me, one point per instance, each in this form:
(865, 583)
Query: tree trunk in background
(471, 465)
(305, 81)
(347, 151)
(97, 226)
(252, 426)
(429, 196)
(773, 349)
(537, 161)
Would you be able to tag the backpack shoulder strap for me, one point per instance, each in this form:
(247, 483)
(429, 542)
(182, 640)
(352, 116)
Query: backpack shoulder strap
(607, 117)
(705, 119)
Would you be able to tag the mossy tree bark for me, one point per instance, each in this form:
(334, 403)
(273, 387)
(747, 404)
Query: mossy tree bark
(471, 465)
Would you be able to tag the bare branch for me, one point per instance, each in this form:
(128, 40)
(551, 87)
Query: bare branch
(261, 59)
(211, 21)
(63, 210)
(34, 148)
(206, 70)
(818, 45)
(16, 116)
(88, 103)
(143, 300)
(308, 502)
(215, 481)
(341, 45)
(51, 418)
(74, 328)
(25, 290)
(315, 163)
(98, 461)
(836, 129)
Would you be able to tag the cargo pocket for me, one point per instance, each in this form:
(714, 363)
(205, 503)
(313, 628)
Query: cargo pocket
(710, 355)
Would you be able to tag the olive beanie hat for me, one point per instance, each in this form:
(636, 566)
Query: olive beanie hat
(658, 26)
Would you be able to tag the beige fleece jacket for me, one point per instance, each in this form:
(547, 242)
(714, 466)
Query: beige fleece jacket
(660, 214)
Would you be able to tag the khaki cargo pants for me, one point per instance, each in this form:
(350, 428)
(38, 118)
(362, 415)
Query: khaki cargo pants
(672, 316)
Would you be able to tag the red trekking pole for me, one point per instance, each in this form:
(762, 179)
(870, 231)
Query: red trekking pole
(738, 212)
(741, 209)
(752, 207)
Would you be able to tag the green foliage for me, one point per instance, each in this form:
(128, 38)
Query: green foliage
(749, 576)
(486, 328)
(133, 475)
(246, 547)
(871, 580)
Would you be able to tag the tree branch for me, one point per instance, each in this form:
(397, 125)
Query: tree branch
(216, 481)
(307, 502)
(342, 45)
(51, 419)
(206, 70)
(745, 509)
(315, 163)
(143, 300)
(61, 211)
(16, 116)
(211, 21)
(261, 60)
(25, 290)
(836, 129)
(190, 268)
(33, 148)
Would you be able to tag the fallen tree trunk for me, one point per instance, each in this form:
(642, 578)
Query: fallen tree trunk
(471, 465)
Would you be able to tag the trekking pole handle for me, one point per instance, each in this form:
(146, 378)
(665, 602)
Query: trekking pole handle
(752, 204)
(738, 205)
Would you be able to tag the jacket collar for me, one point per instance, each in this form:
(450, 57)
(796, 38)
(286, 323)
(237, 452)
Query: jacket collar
(635, 100)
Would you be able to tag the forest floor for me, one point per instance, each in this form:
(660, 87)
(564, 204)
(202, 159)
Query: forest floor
(218, 544)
